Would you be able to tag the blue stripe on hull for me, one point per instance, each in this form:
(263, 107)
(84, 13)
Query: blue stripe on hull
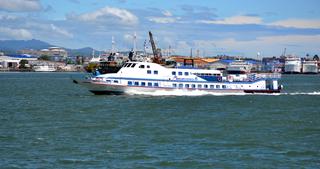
(185, 81)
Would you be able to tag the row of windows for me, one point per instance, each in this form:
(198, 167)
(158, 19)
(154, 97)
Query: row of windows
(198, 74)
(150, 84)
(132, 65)
(143, 66)
(154, 72)
(206, 74)
(180, 73)
(180, 85)
(199, 86)
(114, 81)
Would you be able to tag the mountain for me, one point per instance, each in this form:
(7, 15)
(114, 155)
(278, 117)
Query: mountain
(12, 46)
(15, 45)
(87, 51)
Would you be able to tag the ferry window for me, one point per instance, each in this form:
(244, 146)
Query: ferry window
(109, 81)
(141, 66)
(186, 73)
(180, 73)
(193, 86)
(116, 81)
(180, 85)
(125, 65)
(149, 71)
(136, 83)
(143, 83)
(129, 83)
(174, 85)
(156, 84)
(148, 66)
(205, 86)
(218, 86)
(224, 86)
(186, 85)
(174, 73)
(133, 65)
(149, 84)
(211, 86)
(199, 86)
(155, 72)
(129, 64)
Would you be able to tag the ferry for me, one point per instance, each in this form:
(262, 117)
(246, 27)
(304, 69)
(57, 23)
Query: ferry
(44, 68)
(147, 78)
(310, 67)
(292, 65)
(239, 67)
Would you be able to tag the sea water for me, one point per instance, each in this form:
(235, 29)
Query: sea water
(46, 121)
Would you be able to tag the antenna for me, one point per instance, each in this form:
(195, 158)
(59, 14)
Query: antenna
(284, 52)
(93, 53)
(134, 43)
(112, 45)
(191, 53)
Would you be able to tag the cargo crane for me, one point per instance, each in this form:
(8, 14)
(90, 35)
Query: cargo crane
(157, 58)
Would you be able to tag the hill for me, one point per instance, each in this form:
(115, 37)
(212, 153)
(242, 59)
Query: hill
(13, 46)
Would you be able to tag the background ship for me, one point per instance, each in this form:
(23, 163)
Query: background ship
(292, 65)
(310, 67)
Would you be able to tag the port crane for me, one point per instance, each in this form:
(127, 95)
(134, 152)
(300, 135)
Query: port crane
(157, 57)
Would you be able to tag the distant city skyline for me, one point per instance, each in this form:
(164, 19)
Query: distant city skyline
(214, 27)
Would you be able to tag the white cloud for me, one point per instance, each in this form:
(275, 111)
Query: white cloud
(20, 5)
(298, 44)
(298, 23)
(8, 17)
(128, 38)
(167, 13)
(163, 20)
(61, 31)
(107, 14)
(16, 33)
(235, 20)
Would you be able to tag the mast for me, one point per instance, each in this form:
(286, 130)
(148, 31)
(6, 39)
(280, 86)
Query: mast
(145, 47)
(284, 52)
(134, 43)
(93, 53)
(112, 45)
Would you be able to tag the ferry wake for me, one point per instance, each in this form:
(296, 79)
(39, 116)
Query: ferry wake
(147, 78)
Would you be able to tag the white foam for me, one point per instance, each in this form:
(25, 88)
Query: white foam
(180, 93)
(203, 93)
(315, 93)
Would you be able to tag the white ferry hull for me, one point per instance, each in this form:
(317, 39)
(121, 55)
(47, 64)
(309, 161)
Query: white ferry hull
(107, 89)
(44, 69)
(292, 66)
(311, 68)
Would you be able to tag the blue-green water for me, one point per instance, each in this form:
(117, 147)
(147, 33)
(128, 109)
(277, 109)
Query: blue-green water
(48, 122)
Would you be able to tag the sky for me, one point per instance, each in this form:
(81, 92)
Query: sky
(247, 28)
